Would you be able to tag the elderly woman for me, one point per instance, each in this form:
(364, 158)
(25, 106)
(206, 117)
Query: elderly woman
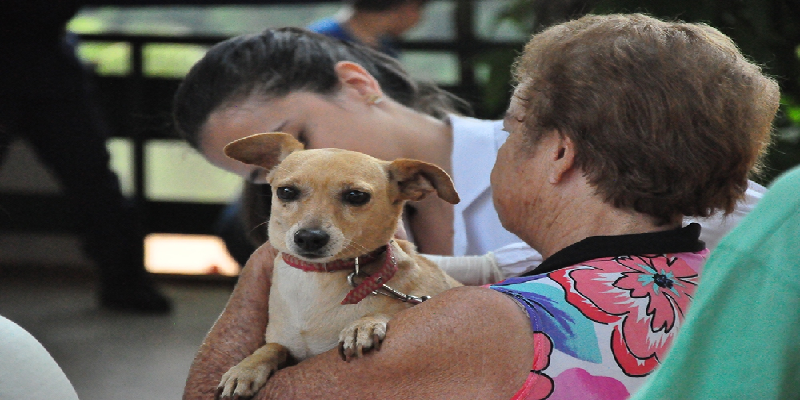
(619, 127)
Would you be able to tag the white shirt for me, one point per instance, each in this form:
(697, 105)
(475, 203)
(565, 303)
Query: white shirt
(477, 226)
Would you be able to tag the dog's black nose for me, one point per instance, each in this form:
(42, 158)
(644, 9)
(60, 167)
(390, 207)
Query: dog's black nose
(311, 239)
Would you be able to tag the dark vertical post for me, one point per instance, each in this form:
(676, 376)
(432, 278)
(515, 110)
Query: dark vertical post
(135, 111)
(465, 38)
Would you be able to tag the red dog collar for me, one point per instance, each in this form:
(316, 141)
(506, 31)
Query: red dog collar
(336, 265)
(367, 286)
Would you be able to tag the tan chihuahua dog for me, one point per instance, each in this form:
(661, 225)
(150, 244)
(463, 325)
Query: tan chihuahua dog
(339, 276)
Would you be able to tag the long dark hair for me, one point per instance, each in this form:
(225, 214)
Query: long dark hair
(279, 61)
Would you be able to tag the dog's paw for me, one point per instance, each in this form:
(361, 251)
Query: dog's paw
(362, 335)
(250, 375)
(243, 381)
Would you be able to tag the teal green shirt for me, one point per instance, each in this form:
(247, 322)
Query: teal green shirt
(741, 338)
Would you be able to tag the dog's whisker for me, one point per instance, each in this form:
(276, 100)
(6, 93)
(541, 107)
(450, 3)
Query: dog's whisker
(258, 226)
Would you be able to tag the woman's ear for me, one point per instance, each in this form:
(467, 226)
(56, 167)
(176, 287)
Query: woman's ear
(562, 154)
(355, 76)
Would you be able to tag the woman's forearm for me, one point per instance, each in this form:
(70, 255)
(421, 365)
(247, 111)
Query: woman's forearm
(470, 270)
(465, 343)
(432, 226)
(446, 346)
(239, 330)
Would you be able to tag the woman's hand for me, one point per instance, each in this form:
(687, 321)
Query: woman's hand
(239, 330)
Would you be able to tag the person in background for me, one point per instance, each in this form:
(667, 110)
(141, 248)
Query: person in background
(334, 94)
(619, 127)
(47, 98)
(746, 312)
(375, 23)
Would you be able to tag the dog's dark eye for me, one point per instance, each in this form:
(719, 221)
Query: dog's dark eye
(287, 193)
(356, 197)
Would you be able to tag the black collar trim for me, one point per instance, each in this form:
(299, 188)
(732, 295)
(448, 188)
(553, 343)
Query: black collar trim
(679, 240)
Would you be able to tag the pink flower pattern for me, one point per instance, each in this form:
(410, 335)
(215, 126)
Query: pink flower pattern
(538, 386)
(577, 383)
(644, 298)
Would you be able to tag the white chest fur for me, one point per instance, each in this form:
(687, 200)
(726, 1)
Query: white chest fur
(305, 310)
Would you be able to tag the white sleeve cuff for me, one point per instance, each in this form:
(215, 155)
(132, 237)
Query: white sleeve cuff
(470, 270)
(508, 261)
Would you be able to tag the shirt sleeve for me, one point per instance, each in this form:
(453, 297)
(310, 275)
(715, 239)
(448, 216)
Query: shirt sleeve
(516, 259)
(508, 261)
(470, 270)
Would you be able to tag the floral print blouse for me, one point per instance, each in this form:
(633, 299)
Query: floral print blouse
(605, 310)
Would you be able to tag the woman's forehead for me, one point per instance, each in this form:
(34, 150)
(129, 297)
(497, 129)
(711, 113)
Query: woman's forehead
(258, 111)
(248, 117)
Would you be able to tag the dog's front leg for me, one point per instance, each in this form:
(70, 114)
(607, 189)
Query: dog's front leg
(362, 335)
(247, 377)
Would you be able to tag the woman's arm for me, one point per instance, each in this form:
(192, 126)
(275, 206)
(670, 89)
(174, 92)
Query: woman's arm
(470, 341)
(239, 330)
(432, 226)
(464, 343)
(470, 270)
(510, 260)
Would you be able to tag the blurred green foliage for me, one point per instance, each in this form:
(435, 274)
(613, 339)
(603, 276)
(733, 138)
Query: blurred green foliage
(160, 60)
(114, 58)
(107, 58)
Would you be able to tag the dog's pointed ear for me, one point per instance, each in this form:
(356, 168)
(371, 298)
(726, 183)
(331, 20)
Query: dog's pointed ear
(263, 149)
(416, 179)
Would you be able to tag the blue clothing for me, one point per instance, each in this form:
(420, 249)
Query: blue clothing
(333, 28)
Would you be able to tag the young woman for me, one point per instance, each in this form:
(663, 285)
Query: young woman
(331, 93)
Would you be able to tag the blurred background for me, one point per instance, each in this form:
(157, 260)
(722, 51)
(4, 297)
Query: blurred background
(141, 50)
